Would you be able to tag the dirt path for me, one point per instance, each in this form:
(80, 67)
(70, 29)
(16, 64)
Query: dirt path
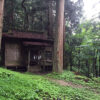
(63, 83)
(70, 84)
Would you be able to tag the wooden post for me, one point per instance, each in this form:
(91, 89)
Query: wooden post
(28, 60)
(1, 19)
(58, 43)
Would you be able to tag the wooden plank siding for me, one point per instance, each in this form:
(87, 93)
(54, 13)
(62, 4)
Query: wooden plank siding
(14, 55)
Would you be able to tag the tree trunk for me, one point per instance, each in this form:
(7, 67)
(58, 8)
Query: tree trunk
(58, 43)
(95, 69)
(71, 63)
(1, 19)
(79, 62)
(87, 65)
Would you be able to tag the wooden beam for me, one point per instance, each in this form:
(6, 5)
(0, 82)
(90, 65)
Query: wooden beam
(58, 43)
(1, 19)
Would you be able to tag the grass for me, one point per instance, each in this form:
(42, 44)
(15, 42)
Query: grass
(17, 86)
(93, 83)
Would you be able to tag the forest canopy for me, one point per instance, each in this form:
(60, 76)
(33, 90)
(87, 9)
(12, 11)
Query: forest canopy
(26, 15)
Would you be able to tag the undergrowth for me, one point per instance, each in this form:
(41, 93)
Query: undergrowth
(17, 86)
(75, 78)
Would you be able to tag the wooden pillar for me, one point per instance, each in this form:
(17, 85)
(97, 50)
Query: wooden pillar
(58, 43)
(28, 60)
(1, 19)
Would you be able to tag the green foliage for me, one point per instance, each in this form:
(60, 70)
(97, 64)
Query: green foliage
(17, 86)
(26, 15)
(83, 49)
(78, 79)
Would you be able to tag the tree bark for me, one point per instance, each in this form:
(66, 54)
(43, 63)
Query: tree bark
(58, 43)
(87, 65)
(1, 19)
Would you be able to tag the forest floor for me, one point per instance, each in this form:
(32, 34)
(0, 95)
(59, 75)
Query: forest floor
(65, 86)
(73, 80)
(73, 85)
(63, 83)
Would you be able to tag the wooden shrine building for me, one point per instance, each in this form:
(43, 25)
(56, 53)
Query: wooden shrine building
(28, 51)
(32, 34)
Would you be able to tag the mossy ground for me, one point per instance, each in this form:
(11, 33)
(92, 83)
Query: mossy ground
(18, 86)
(67, 76)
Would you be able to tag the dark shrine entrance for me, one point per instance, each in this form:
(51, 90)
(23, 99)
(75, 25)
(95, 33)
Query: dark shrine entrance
(35, 56)
(39, 59)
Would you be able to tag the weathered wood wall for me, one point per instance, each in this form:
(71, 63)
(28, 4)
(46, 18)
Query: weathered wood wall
(13, 54)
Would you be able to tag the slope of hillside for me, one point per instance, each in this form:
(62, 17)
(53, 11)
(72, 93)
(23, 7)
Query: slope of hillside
(76, 79)
(17, 86)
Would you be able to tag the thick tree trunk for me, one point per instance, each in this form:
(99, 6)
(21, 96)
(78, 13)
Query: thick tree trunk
(1, 19)
(58, 43)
